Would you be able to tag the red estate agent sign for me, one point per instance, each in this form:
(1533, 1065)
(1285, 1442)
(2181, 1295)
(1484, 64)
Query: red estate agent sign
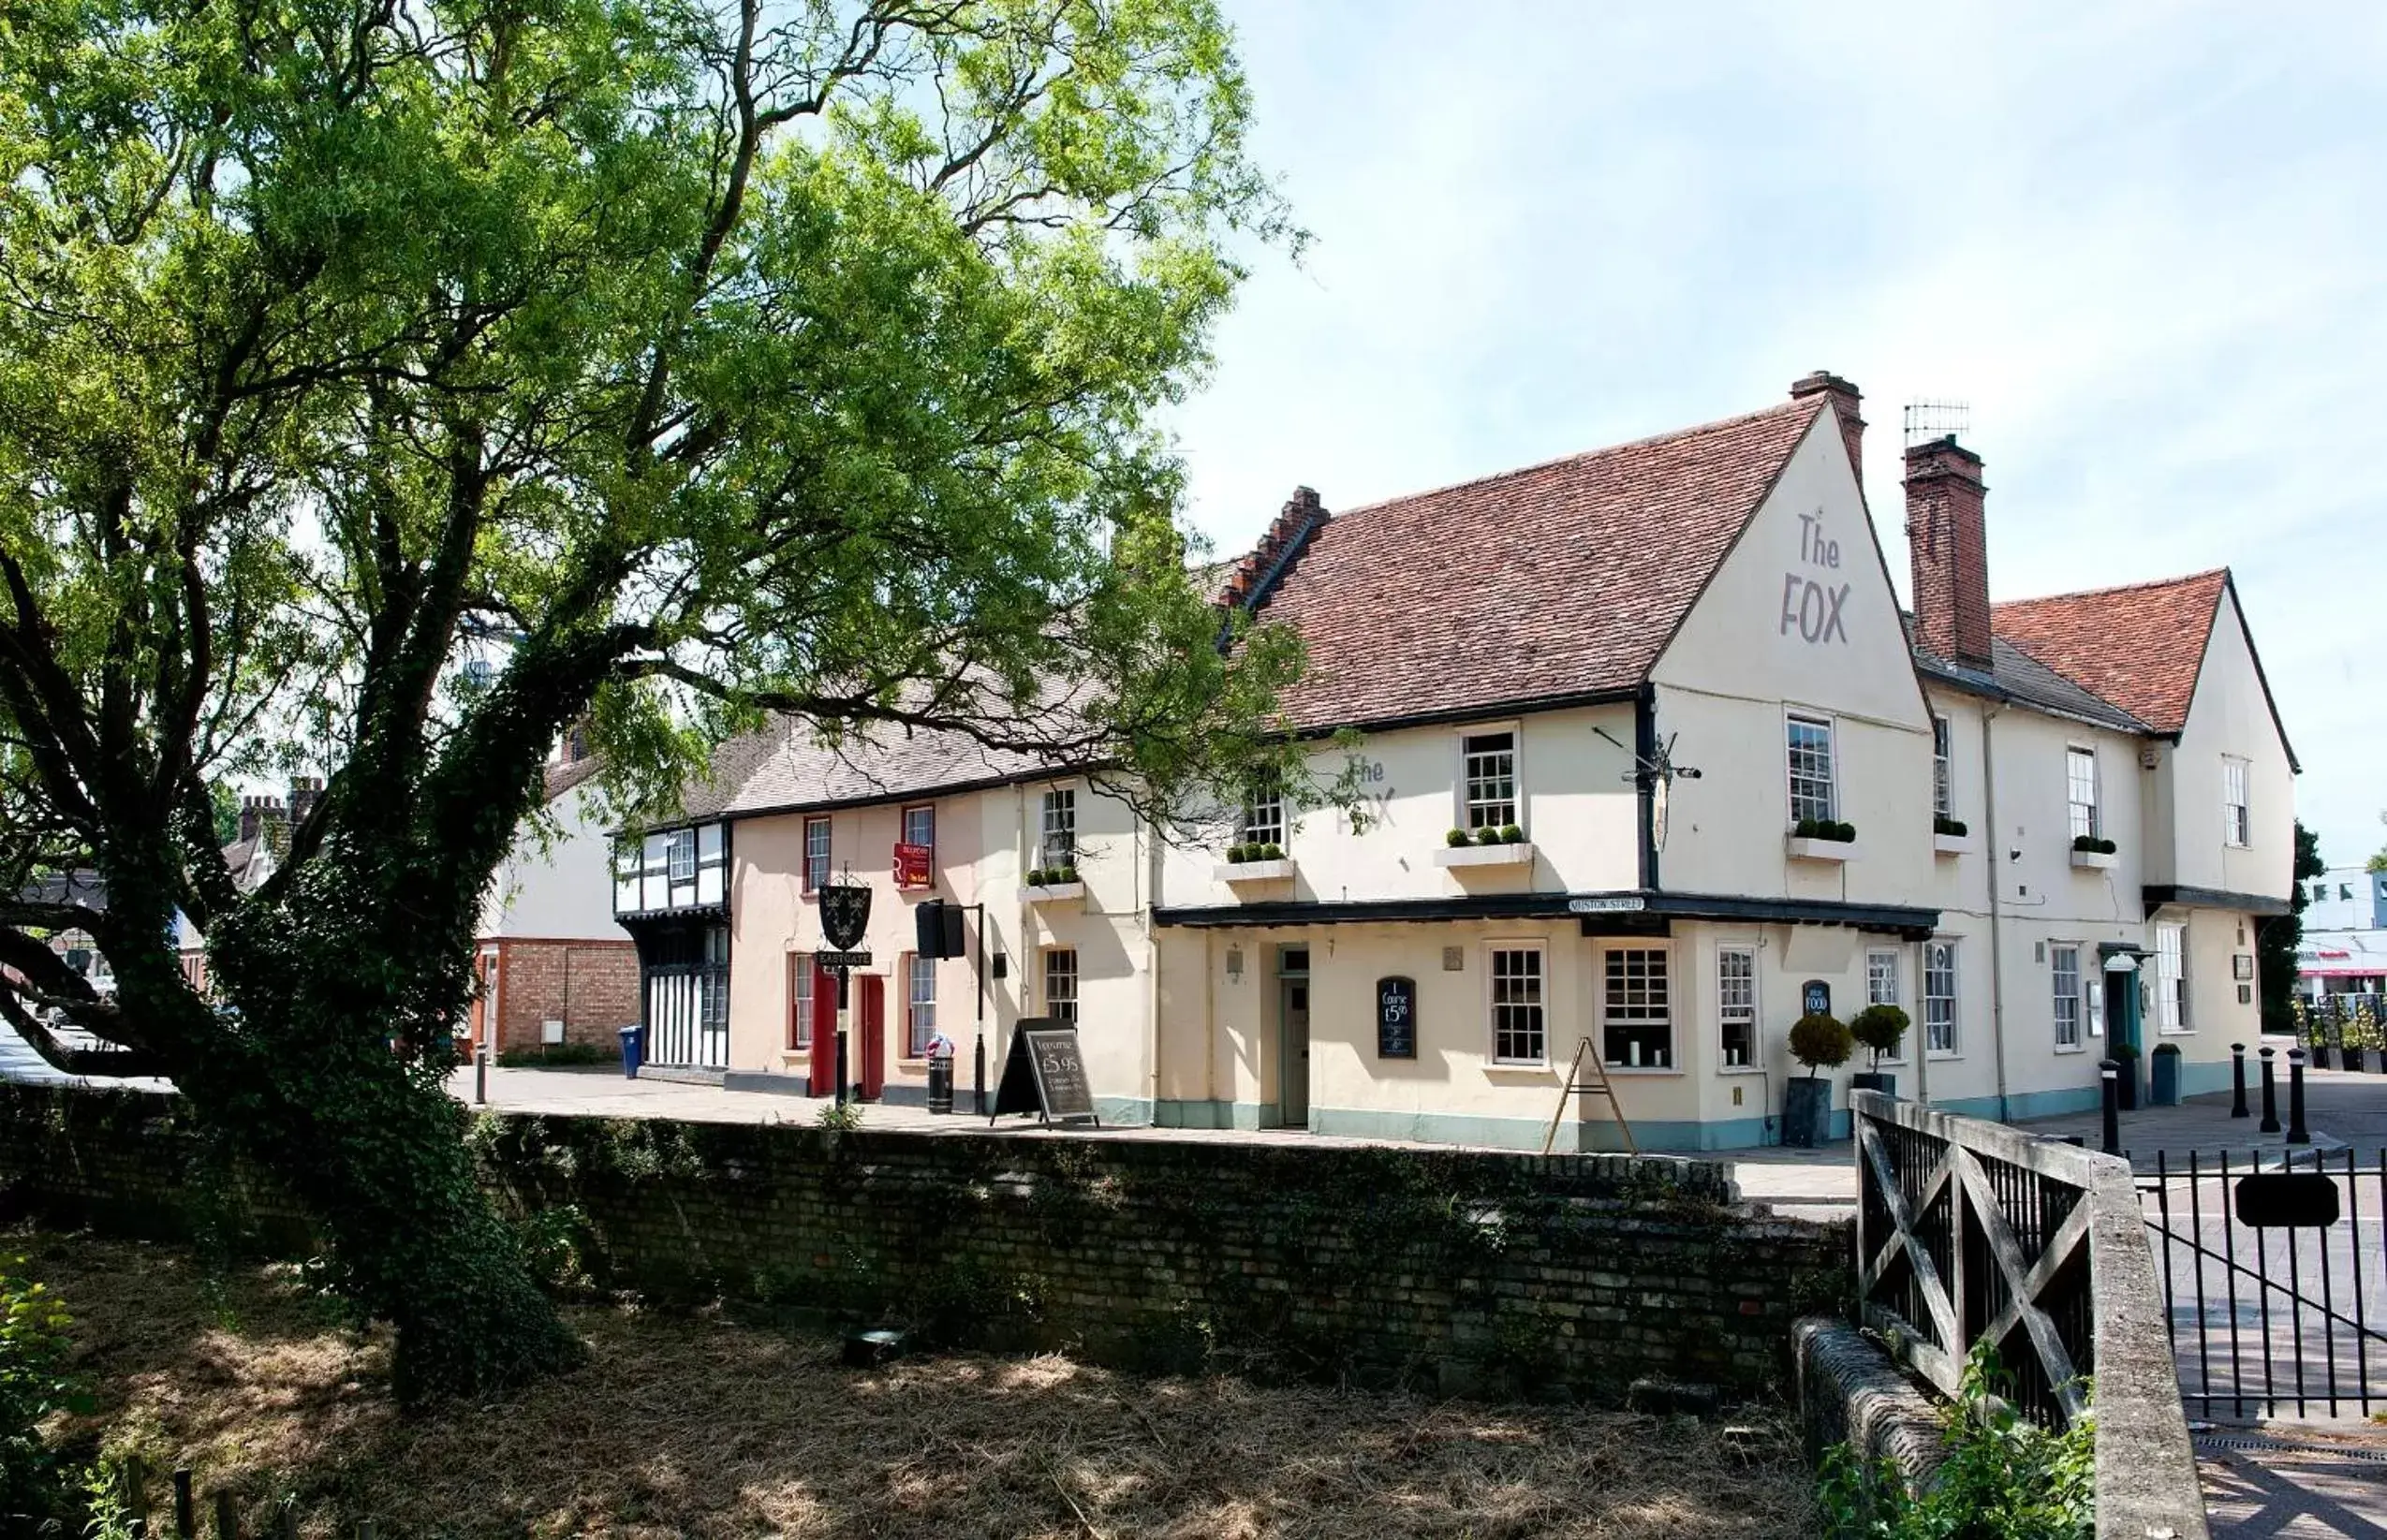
(912, 865)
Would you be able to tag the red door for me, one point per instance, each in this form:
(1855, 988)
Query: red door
(824, 1032)
(870, 1016)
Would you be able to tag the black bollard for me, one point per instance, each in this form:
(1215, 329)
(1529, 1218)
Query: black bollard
(2238, 1082)
(841, 1065)
(480, 1075)
(2297, 1133)
(186, 1510)
(977, 1078)
(2270, 1123)
(2109, 1081)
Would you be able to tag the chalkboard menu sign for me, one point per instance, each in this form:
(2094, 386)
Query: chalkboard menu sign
(1045, 1074)
(1396, 1018)
(1815, 997)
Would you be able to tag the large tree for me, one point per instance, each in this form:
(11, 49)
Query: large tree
(2276, 939)
(682, 359)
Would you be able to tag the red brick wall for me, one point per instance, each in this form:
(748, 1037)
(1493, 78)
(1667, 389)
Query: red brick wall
(592, 986)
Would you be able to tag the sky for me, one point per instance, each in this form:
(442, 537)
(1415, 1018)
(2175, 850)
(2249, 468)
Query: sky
(2145, 245)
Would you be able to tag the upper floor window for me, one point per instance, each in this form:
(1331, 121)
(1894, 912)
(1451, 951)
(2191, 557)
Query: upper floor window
(1940, 997)
(681, 854)
(816, 853)
(1264, 820)
(2080, 786)
(2237, 824)
(1489, 775)
(1057, 827)
(920, 826)
(1809, 741)
(1736, 1004)
(1637, 1019)
(2171, 978)
(1943, 795)
(1518, 1029)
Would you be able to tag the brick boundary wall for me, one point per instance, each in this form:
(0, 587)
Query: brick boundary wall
(592, 986)
(1461, 1272)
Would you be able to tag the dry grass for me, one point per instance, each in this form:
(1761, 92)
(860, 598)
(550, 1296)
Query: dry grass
(683, 1426)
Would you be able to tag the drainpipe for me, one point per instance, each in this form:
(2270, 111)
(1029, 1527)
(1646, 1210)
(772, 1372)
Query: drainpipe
(1997, 943)
(1151, 896)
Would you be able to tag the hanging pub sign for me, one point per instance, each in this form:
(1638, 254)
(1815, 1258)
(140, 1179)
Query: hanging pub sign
(1045, 1074)
(1815, 997)
(1396, 1018)
(912, 865)
(845, 913)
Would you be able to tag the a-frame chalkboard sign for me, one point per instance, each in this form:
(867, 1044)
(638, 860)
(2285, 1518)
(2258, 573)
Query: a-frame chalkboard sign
(1045, 1074)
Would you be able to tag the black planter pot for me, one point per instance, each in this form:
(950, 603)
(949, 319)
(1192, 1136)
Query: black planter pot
(2319, 1054)
(2353, 1061)
(1873, 1079)
(1806, 1112)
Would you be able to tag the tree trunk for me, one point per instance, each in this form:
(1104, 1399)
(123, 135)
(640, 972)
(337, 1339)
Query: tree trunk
(326, 1064)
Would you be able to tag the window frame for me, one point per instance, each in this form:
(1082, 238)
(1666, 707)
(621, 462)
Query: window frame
(1464, 785)
(1539, 1003)
(1744, 951)
(2237, 813)
(2076, 996)
(1944, 766)
(813, 882)
(800, 1002)
(2171, 983)
(1665, 953)
(1062, 1007)
(919, 970)
(1261, 820)
(2073, 755)
(1793, 719)
(904, 833)
(1056, 814)
(679, 857)
(1955, 997)
(1898, 993)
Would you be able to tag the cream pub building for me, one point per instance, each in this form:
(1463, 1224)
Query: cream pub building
(1550, 654)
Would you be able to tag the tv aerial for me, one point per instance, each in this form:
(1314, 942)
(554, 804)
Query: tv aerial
(1655, 770)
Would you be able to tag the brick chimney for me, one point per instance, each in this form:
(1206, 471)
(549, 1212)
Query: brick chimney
(1950, 550)
(1844, 399)
(1286, 534)
(305, 790)
(258, 813)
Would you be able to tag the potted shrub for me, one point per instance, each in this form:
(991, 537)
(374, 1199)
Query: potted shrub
(1819, 1041)
(1952, 828)
(1238, 854)
(1489, 834)
(1036, 876)
(2165, 1091)
(1879, 1029)
(1457, 839)
(1809, 828)
(1270, 853)
(1512, 834)
(2125, 1055)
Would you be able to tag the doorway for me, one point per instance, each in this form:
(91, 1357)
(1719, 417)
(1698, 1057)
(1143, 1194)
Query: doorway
(1292, 1051)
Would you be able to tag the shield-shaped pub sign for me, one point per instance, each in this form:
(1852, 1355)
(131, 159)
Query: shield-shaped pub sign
(845, 913)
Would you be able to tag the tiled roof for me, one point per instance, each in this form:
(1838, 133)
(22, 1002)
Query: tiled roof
(785, 767)
(2016, 676)
(1557, 581)
(563, 776)
(2138, 646)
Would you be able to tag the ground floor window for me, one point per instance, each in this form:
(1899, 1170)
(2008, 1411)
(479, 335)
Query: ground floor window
(2064, 981)
(920, 977)
(1061, 983)
(2171, 980)
(800, 1005)
(1940, 996)
(1519, 1026)
(1637, 1022)
(1736, 1004)
(1882, 988)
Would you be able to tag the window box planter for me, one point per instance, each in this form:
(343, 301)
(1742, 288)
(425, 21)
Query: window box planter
(1055, 892)
(1953, 844)
(1804, 847)
(1254, 874)
(1520, 854)
(2095, 860)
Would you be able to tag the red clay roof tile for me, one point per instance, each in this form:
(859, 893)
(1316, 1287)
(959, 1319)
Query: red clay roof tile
(2139, 647)
(1556, 581)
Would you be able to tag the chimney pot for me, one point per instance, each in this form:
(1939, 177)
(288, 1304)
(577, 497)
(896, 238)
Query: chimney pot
(1845, 399)
(1948, 550)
